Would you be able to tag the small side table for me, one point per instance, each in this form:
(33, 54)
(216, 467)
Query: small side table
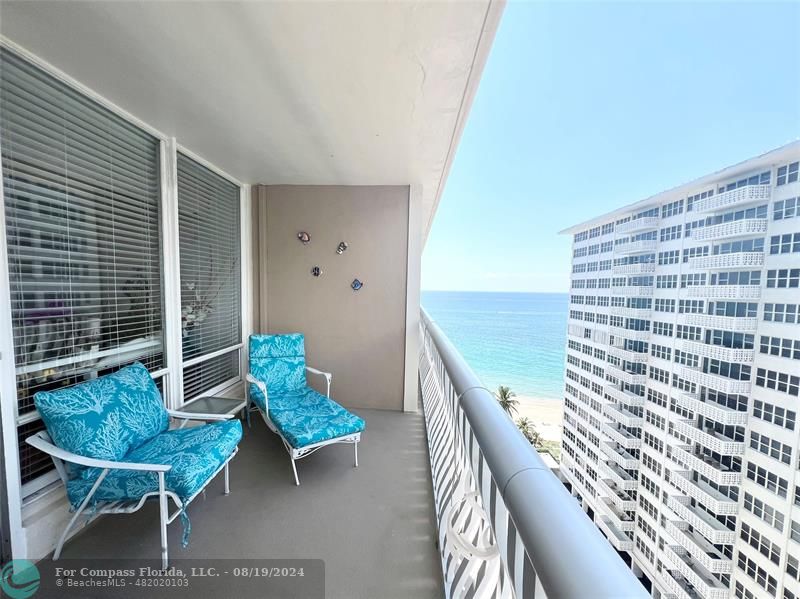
(214, 405)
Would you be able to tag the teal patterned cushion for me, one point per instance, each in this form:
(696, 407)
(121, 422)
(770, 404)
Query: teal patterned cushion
(279, 361)
(106, 417)
(194, 453)
(306, 417)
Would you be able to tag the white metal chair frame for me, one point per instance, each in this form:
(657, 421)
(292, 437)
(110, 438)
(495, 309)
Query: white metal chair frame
(42, 442)
(302, 452)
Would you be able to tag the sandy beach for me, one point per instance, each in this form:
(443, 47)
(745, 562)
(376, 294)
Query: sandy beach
(544, 413)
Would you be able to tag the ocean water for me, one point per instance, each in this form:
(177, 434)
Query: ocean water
(512, 339)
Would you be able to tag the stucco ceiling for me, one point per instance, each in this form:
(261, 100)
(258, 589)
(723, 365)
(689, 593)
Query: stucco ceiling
(355, 93)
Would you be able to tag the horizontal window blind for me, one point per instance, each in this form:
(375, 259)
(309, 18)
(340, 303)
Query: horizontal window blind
(82, 195)
(210, 249)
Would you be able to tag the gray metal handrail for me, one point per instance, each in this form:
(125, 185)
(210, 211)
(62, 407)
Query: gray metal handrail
(569, 555)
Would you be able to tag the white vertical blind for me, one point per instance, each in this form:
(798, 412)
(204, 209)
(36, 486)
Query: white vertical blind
(82, 195)
(210, 251)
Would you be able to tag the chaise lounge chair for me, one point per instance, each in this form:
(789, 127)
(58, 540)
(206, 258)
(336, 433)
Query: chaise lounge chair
(304, 419)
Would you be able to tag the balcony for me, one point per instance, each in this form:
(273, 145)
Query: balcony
(622, 416)
(631, 334)
(633, 269)
(615, 495)
(619, 455)
(625, 376)
(711, 528)
(738, 228)
(618, 539)
(638, 224)
(679, 586)
(696, 577)
(624, 397)
(627, 355)
(710, 439)
(735, 197)
(630, 312)
(633, 291)
(704, 493)
(707, 466)
(700, 549)
(636, 247)
(712, 410)
(620, 435)
(739, 324)
(621, 478)
(724, 291)
(715, 381)
(717, 352)
(724, 261)
(620, 519)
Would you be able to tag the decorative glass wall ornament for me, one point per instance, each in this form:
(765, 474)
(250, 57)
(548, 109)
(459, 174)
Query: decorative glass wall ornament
(342, 247)
(316, 271)
(356, 285)
(304, 237)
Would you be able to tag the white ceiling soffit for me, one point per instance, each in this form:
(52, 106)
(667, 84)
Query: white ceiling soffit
(346, 93)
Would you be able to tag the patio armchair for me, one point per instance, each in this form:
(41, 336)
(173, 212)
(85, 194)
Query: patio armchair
(110, 441)
(304, 419)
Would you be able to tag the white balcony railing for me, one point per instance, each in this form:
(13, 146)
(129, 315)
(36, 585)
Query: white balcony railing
(622, 416)
(715, 381)
(632, 291)
(620, 519)
(627, 355)
(630, 312)
(621, 436)
(619, 455)
(700, 549)
(626, 377)
(620, 477)
(738, 260)
(710, 409)
(704, 493)
(618, 539)
(638, 224)
(724, 291)
(624, 397)
(737, 228)
(740, 324)
(633, 269)
(629, 333)
(479, 458)
(743, 195)
(706, 466)
(708, 526)
(636, 247)
(709, 439)
(615, 495)
(717, 352)
(702, 584)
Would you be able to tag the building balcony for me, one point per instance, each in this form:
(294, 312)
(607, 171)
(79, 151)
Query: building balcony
(738, 228)
(631, 334)
(699, 548)
(621, 436)
(735, 197)
(638, 224)
(624, 397)
(633, 269)
(712, 410)
(619, 455)
(630, 312)
(706, 466)
(625, 376)
(620, 498)
(739, 324)
(622, 416)
(723, 261)
(621, 478)
(696, 578)
(708, 526)
(621, 520)
(636, 247)
(704, 493)
(618, 539)
(633, 291)
(715, 381)
(710, 439)
(627, 355)
(724, 291)
(679, 587)
(717, 352)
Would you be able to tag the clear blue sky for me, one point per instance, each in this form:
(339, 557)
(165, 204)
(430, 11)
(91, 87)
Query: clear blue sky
(586, 107)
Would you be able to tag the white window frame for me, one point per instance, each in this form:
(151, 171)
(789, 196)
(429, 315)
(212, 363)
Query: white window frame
(20, 495)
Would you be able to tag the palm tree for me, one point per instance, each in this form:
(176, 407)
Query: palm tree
(527, 428)
(505, 397)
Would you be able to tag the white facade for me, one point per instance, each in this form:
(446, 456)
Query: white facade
(683, 381)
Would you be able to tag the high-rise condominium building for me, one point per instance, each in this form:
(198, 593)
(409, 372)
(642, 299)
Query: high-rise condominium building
(682, 389)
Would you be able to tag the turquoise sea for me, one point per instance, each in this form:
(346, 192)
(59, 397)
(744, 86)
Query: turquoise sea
(513, 339)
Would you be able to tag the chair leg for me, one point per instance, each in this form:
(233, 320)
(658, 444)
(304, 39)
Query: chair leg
(81, 507)
(162, 501)
(355, 450)
(294, 468)
(227, 479)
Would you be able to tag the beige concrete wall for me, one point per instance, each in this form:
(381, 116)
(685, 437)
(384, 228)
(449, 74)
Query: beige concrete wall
(359, 336)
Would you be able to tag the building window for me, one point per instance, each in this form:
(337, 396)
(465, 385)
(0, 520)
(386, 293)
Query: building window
(788, 208)
(783, 278)
(82, 196)
(788, 173)
(788, 243)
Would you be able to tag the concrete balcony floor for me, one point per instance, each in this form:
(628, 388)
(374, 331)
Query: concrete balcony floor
(374, 526)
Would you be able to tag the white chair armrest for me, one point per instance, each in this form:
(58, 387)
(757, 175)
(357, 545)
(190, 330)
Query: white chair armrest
(73, 458)
(328, 376)
(198, 416)
(261, 386)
